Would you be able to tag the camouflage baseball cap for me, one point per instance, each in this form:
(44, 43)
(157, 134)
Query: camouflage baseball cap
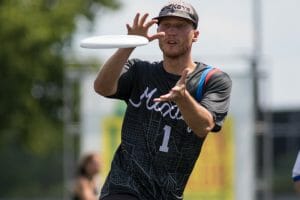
(179, 8)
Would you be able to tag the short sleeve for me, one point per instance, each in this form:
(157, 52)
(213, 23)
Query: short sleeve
(125, 82)
(296, 169)
(216, 97)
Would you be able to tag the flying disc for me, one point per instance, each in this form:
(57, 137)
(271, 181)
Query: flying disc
(113, 41)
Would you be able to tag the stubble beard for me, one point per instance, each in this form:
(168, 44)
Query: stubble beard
(174, 54)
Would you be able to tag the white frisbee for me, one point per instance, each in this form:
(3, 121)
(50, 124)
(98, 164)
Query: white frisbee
(113, 41)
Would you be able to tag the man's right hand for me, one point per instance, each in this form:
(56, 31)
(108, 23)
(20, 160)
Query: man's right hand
(141, 27)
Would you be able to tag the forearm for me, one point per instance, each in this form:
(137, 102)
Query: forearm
(108, 76)
(198, 118)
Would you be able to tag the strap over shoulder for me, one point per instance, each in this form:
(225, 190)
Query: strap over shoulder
(205, 76)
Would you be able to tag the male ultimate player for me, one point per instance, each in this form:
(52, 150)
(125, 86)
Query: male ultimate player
(296, 173)
(171, 106)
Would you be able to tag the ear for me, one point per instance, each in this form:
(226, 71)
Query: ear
(196, 35)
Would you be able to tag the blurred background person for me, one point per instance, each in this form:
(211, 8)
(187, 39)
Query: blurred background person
(296, 173)
(86, 183)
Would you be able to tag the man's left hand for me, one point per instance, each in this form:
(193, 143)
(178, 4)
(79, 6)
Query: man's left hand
(177, 92)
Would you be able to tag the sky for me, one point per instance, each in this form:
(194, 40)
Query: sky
(226, 41)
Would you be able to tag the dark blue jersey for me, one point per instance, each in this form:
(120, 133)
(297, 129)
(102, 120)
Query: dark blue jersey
(158, 150)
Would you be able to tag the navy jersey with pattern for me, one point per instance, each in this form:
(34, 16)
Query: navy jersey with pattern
(158, 150)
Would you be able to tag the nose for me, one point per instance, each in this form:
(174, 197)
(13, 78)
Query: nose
(172, 30)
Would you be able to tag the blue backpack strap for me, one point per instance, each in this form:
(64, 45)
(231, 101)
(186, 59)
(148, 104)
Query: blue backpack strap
(201, 83)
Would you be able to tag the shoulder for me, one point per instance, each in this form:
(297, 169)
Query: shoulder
(211, 75)
(218, 77)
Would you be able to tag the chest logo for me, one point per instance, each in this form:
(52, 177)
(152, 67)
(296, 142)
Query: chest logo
(165, 108)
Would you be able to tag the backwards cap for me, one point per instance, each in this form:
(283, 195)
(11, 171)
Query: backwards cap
(178, 8)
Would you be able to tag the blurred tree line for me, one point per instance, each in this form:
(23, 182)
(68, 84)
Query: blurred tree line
(33, 37)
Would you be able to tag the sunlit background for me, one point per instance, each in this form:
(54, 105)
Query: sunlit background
(50, 115)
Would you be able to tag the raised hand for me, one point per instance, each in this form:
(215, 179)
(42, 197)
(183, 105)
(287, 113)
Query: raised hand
(141, 27)
(177, 92)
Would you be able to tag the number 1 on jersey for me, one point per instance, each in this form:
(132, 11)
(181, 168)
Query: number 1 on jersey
(167, 131)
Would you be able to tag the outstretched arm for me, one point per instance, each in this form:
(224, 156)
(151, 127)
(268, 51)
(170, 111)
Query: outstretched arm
(107, 78)
(198, 118)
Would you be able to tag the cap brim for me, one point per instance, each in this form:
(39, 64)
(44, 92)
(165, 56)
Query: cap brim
(176, 15)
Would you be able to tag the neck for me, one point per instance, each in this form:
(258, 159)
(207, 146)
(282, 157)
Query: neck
(177, 65)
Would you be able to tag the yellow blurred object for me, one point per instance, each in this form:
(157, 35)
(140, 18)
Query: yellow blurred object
(213, 175)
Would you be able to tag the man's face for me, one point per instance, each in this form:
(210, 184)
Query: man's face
(179, 36)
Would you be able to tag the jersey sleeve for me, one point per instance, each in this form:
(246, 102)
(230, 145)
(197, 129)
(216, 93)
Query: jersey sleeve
(216, 97)
(125, 82)
(296, 169)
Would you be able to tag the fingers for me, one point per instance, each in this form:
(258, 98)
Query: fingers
(167, 97)
(143, 19)
(185, 72)
(128, 28)
(134, 24)
(183, 77)
(139, 22)
(174, 94)
(136, 20)
(140, 26)
(150, 23)
(157, 36)
(177, 92)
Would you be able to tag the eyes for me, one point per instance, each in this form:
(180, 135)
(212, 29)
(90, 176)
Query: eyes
(178, 26)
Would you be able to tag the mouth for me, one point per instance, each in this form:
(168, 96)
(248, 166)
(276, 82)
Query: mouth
(171, 42)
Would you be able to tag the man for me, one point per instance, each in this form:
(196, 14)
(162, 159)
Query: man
(85, 185)
(296, 173)
(168, 113)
